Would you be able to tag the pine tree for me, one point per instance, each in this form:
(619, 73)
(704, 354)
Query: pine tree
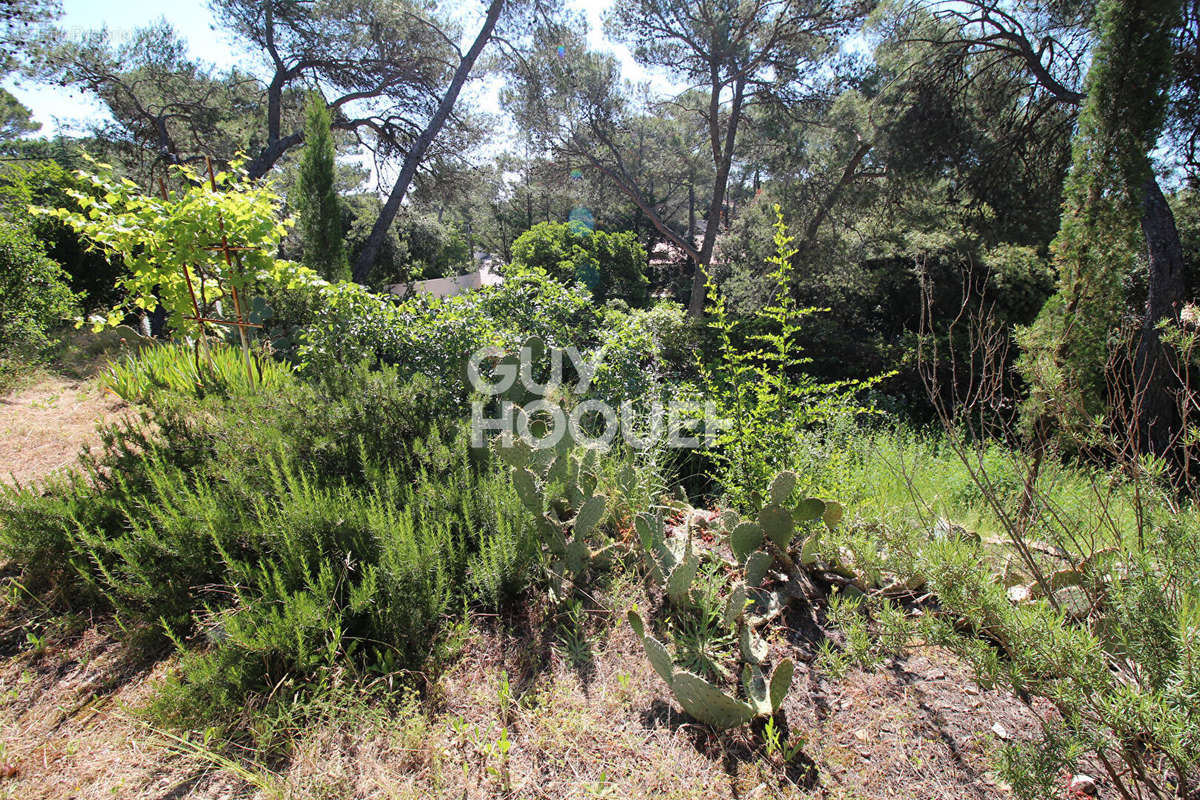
(317, 199)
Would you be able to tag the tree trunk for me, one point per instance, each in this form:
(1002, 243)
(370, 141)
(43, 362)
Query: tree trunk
(691, 234)
(723, 153)
(412, 159)
(1157, 412)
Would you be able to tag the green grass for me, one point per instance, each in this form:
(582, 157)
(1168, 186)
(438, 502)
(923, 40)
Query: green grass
(902, 479)
(184, 369)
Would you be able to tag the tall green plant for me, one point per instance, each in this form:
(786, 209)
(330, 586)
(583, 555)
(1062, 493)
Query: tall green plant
(1067, 351)
(316, 196)
(34, 296)
(168, 244)
(761, 388)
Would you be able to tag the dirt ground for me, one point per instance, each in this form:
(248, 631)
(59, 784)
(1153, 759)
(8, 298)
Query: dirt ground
(43, 426)
(581, 718)
(44, 423)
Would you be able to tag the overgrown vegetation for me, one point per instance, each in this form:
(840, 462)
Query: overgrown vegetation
(34, 299)
(946, 414)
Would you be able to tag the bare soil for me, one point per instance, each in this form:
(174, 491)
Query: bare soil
(583, 718)
(43, 426)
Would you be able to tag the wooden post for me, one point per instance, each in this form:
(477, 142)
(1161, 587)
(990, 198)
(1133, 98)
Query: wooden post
(235, 273)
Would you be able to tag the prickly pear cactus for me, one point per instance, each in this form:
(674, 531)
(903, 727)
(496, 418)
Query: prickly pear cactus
(744, 539)
(709, 704)
(706, 701)
(776, 523)
(782, 487)
(679, 581)
(564, 521)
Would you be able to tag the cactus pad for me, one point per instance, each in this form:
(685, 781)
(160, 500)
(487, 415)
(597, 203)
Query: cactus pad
(745, 539)
(781, 682)
(782, 487)
(809, 510)
(589, 514)
(709, 704)
(756, 567)
(776, 522)
(736, 606)
(660, 659)
(679, 582)
(833, 513)
(527, 489)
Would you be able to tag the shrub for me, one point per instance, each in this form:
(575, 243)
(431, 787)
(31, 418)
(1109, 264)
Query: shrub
(610, 265)
(436, 336)
(167, 243)
(644, 351)
(759, 386)
(309, 531)
(49, 183)
(34, 297)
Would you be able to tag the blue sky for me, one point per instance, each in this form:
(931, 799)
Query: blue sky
(70, 111)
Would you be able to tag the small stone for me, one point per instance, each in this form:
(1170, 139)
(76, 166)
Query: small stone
(1083, 784)
(1000, 731)
(861, 735)
(1018, 594)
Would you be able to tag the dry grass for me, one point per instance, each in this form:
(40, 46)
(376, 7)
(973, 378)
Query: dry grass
(603, 728)
(66, 729)
(589, 719)
(44, 424)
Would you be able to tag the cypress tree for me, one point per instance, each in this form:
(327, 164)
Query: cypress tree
(1068, 350)
(317, 199)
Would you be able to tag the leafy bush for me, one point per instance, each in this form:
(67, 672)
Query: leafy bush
(305, 531)
(611, 265)
(34, 297)
(167, 243)
(436, 336)
(49, 183)
(644, 351)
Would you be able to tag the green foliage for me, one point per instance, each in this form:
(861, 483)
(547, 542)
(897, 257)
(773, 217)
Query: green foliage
(610, 265)
(761, 390)
(181, 370)
(346, 526)
(34, 298)
(436, 336)
(48, 183)
(427, 248)
(158, 240)
(1067, 351)
(316, 196)
(647, 353)
(322, 578)
(508, 551)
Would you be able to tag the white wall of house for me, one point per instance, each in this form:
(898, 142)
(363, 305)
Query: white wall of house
(449, 287)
